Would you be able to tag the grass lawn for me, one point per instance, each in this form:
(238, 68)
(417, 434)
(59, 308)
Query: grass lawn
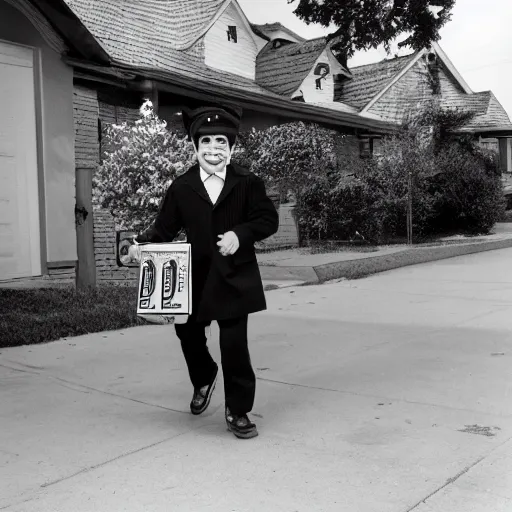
(42, 315)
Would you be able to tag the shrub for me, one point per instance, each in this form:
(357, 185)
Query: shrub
(455, 186)
(339, 211)
(290, 157)
(144, 159)
(469, 195)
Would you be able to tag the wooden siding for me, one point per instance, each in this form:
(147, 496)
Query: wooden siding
(238, 58)
(116, 114)
(85, 107)
(451, 91)
(308, 86)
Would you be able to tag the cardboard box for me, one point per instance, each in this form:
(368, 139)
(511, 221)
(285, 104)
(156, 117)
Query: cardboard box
(165, 282)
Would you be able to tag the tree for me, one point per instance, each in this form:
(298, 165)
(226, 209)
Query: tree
(142, 161)
(365, 24)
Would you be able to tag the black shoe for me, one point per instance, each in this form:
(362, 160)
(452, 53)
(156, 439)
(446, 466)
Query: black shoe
(202, 396)
(241, 426)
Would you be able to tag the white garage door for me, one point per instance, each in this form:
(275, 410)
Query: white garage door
(19, 204)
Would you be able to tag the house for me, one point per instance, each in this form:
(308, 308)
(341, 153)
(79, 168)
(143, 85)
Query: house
(206, 51)
(69, 66)
(37, 136)
(392, 88)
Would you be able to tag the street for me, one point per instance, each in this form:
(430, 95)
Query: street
(386, 394)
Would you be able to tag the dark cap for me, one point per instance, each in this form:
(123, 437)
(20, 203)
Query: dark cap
(222, 120)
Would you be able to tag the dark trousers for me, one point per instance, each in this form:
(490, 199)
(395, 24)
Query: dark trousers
(239, 378)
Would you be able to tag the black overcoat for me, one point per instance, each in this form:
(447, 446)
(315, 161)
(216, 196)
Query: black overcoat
(223, 287)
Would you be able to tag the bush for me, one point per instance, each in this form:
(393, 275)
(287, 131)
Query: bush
(291, 157)
(143, 160)
(469, 195)
(455, 187)
(342, 211)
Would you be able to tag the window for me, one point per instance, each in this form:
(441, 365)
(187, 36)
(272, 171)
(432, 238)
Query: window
(322, 70)
(232, 35)
(366, 148)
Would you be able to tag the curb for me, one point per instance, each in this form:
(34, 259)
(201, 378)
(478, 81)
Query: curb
(363, 267)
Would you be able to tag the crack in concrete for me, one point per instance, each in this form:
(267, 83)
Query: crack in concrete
(123, 456)
(106, 463)
(452, 480)
(81, 387)
(15, 504)
(380, 397)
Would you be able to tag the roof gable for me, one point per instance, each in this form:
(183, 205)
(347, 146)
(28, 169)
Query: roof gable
(371, 80)
(224, 53)
(451, 68)
(283, 69)
(259, 39)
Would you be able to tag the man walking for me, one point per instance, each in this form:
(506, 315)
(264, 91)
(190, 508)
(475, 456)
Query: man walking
(224, 210)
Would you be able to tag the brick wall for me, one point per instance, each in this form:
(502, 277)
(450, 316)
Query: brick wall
(107, 269)
(85, 107)
(105, 246)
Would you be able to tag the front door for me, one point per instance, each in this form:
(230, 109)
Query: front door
(20, 252)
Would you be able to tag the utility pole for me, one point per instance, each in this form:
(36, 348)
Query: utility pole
(409, 209)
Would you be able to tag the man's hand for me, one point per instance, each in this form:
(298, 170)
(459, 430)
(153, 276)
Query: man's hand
(228, 243)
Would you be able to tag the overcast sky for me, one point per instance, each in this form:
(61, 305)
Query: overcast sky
(478, 40)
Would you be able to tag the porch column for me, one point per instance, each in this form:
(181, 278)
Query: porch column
(505, 151)
(87, 159)
(151, 93)
(86, 266)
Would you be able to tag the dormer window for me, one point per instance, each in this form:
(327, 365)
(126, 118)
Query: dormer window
(322, 70)
(232, 35)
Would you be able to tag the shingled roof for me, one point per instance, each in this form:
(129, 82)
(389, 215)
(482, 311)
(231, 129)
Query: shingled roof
(269, 28)
(141, 28)
(132, 33)
(487, 109)
(368, 80)
(282, 70)
(143, 37)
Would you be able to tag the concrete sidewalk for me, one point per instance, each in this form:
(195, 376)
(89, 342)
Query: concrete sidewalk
(297, 266)
(386, 394)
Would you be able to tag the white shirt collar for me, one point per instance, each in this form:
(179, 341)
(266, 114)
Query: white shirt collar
(205, 175)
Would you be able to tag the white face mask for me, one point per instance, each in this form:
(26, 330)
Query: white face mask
(213, 153)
